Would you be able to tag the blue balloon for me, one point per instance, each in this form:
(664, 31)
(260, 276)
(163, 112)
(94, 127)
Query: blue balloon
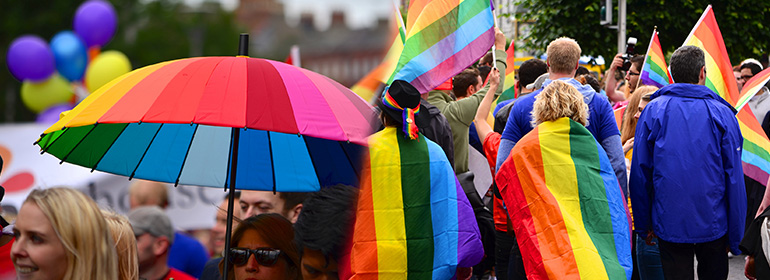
(29, 58)
(70, 54)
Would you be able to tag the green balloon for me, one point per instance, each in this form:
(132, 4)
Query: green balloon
(39, 96)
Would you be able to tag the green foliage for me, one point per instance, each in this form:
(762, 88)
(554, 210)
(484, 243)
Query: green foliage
(741, 24)
(148, 32)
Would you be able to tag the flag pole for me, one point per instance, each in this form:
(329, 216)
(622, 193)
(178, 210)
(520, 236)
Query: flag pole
(649, 46)
(494, 25)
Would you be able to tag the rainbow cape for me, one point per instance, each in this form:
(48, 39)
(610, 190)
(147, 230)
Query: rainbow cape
(720, 78)
(654, 70)
(413, 220)
(446, 37)
(567, 209)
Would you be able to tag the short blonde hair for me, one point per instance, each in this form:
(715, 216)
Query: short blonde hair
(559, 100)
(125, 245)
(149, 193)
(563, 55)
(80, 225)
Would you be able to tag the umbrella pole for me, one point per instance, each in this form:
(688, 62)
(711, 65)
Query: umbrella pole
(231, 200)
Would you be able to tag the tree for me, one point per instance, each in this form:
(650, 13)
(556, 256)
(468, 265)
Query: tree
(741, 24)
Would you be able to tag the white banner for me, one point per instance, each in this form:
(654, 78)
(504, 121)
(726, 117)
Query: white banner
(190, 207)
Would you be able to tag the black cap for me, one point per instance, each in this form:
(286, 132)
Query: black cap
(405, 95)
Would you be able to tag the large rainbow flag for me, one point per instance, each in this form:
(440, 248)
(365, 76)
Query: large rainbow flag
(567, 209)
(720, 79)
(446, 37)
(413, 220)
(654, 70)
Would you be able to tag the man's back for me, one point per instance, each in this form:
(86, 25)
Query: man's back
(686, 177)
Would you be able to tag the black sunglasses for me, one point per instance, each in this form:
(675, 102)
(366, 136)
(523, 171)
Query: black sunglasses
(264, 256)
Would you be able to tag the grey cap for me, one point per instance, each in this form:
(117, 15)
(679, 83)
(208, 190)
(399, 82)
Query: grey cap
(538, 82)
(152, 220)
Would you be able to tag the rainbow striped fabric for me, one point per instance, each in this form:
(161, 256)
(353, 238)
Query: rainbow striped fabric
(368, 85)
(413, 220)
(509, 89)
(566, 205)
(446, 37)
(720, 79)
(654, 70)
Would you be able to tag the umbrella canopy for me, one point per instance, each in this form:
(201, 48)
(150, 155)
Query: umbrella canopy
(174, 122)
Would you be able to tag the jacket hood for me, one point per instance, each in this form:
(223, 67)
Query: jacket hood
(691, 91)
(587, 91)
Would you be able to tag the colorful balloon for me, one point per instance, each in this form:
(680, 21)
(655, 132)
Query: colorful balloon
(70, 54)
(29, 58)
(95, 22)
(106, 67)
(40, 96)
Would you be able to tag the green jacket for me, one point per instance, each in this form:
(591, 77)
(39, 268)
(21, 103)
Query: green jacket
(460, 113)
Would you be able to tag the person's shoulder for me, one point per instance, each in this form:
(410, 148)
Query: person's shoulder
(176, 274)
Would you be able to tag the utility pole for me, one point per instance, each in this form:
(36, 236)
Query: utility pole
(621, 26)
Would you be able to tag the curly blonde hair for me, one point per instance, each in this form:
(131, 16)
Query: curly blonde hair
(559, 100)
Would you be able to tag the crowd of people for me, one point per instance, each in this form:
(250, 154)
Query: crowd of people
(574, 193)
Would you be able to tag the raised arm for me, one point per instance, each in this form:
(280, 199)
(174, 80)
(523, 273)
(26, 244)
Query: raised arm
(482, 127)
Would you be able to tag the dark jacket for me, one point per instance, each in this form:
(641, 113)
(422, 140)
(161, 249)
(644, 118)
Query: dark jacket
(435, 127)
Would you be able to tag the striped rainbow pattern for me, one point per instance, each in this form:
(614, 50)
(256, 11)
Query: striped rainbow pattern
(446, 37)
(368, 85)
(411, 223)
(752, 87)
(570, 221)
(720, 79)
(509, 89)
(172, 122)
(654, 70)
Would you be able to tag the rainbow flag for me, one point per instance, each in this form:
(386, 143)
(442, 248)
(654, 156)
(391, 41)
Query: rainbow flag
(413, 220)
(720, 78)
(509, 89)
(368, 85)
(446, 37)
(654, 70)
(571, 222)
(752, 87)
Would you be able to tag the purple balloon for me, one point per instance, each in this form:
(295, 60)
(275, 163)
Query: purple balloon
(95, 22)
(29, 58)
(51, 115)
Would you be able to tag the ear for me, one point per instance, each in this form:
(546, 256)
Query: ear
(577, 65)
(294, 213)
(161, 246)
(702, 75)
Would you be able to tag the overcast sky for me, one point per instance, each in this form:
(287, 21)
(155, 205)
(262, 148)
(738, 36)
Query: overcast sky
(359, 13)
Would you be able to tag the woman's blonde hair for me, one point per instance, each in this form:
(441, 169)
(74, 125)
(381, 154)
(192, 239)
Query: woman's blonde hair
(628, 124)
(80, 225)
(125, 245)
(559, 100)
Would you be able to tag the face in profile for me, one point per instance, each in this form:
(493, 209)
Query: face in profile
(37, 253)
(262, 262)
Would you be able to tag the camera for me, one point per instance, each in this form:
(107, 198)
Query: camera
(629, 53)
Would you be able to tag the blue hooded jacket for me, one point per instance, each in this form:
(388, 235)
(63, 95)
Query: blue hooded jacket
(686, 176)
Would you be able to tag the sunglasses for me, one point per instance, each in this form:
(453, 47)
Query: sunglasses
(633, 74)
(264, 256)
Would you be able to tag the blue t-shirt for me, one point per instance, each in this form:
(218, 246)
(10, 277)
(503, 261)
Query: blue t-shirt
(601, 120)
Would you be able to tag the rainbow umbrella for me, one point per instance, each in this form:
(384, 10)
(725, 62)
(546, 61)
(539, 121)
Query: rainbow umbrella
(236, 122)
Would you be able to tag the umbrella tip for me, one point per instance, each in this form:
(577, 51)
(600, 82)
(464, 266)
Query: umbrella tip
(243, 45)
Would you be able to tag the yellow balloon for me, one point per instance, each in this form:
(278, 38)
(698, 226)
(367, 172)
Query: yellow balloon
(39, 96)
(106, 67)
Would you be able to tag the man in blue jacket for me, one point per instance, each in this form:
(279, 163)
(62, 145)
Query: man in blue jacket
(686, 176)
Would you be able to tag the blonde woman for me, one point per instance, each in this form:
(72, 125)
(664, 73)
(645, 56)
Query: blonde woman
(62, 234)
(628, 126)
(556, 176)
(125, 245)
